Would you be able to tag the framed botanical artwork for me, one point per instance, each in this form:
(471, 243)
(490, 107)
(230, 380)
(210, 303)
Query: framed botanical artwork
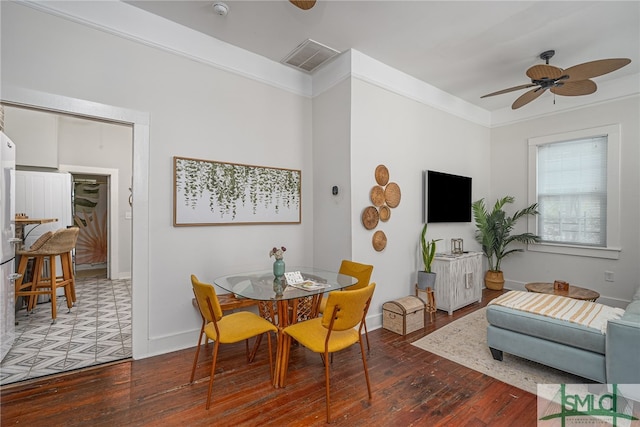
(208, 192)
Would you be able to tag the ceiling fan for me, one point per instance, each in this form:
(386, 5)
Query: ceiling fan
(303, 4)
(573, 81)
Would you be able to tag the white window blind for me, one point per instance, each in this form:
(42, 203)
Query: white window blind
(572, 192)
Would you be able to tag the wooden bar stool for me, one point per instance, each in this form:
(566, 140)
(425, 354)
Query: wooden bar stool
(37, 282)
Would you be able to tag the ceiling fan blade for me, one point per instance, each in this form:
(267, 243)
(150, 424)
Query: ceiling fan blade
(544, 71)
(527, 97)
(592, 69)
(303, 4)
(511, 89)
(580, 87)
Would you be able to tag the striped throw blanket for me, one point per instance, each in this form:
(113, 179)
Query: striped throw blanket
(586, 313)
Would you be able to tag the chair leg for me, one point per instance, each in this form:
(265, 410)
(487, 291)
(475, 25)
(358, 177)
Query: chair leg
(67, 273)
(68, 296)
(195, 359)
(216, 344)
(36, 276)
(326, 378)
(366, 371)
(52, 279)
(256, 346)
(366, 334)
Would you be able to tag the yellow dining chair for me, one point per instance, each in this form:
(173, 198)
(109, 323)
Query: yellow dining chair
(334, 331)
(227, 329)
(362, 272)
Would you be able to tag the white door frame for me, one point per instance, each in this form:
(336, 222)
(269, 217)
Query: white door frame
(140, 218)
(113, 263)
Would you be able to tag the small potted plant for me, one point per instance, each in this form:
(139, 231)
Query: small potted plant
(493, 232)
(426, 278)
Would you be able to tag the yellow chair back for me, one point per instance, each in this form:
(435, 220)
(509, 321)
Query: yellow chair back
(207, 300)
(351, 306)
(362, 272)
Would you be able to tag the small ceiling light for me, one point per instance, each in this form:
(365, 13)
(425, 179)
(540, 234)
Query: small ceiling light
(220, 8)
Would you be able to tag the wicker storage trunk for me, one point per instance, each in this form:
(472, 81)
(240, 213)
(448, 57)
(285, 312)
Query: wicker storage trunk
(404, 315)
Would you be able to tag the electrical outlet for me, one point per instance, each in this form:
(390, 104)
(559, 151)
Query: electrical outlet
(608, 276)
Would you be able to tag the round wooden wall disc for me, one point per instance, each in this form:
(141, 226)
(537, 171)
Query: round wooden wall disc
(385, 213)
(370, 217)
(382, 175)
(392, 194)
(379, 240)
(377, 195)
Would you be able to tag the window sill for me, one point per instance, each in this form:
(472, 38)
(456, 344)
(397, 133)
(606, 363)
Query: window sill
(555, 248)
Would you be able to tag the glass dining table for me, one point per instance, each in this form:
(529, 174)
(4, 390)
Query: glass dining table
(283, 307)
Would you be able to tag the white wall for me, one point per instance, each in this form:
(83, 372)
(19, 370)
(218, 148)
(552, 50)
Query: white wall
(39, 131)
(509, 177)
(332, 166)
(408, 137)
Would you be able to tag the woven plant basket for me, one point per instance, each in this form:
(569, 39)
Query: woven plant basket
(494, 280)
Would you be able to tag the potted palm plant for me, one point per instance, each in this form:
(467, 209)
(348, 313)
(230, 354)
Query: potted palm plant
(494, 234)
(426, 278)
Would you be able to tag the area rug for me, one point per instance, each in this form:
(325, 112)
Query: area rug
(464, 341)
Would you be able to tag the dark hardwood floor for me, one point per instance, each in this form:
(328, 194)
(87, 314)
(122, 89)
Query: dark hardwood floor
(410, 387)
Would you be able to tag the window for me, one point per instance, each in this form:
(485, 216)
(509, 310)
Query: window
(574, 178)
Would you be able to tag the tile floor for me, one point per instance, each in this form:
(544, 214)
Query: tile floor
(98, 330)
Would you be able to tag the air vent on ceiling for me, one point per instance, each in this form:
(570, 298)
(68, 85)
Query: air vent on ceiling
(309, 55)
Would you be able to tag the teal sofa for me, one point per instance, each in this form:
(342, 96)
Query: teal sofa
(610, 358)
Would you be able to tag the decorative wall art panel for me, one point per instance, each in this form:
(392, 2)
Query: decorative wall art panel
(207, 192)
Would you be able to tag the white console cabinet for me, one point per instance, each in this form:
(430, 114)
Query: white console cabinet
(458, 280)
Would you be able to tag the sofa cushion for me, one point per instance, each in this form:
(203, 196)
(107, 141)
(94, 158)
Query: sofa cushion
(586, 313)
(632, 312)
(560, 331)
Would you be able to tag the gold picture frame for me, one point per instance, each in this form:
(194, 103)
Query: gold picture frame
(207, 192)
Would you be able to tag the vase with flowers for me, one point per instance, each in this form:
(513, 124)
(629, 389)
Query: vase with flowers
(278, 268)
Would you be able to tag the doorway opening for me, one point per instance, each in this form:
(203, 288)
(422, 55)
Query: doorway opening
(99, 327)
(90, 210)
(138, 251)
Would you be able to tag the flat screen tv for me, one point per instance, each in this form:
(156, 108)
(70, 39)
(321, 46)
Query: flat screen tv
(447, 197)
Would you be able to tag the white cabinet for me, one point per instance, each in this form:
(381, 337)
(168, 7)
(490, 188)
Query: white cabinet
(458, 280)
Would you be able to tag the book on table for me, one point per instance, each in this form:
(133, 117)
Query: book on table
(296, 280)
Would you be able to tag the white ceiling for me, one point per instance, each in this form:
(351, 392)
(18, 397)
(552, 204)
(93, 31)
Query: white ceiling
(465, 48)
